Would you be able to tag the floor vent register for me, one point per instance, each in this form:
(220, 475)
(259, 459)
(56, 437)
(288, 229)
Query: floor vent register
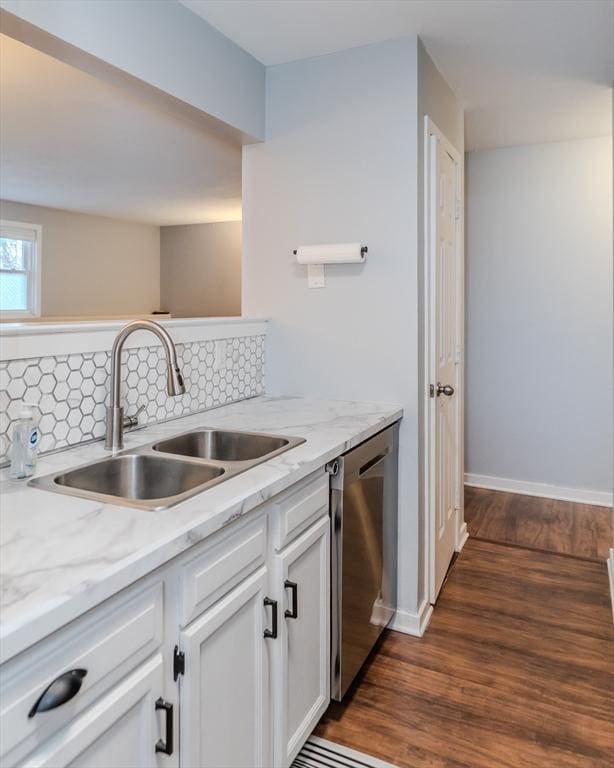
(320, 753)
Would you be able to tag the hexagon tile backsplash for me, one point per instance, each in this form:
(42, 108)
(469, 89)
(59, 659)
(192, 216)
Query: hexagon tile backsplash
(71, 391)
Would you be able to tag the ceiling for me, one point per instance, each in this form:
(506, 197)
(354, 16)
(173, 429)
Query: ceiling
(526, 71)
(69, 140)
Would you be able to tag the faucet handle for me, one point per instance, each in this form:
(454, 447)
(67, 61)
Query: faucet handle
(133, 421)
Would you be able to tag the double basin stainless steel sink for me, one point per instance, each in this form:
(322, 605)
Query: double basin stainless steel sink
(166, 472)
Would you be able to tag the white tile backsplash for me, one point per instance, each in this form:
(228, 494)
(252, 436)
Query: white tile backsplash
(71, 391)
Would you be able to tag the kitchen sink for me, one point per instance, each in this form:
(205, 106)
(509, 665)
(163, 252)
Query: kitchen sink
(166, 472)
(222, 445)
(139, 477)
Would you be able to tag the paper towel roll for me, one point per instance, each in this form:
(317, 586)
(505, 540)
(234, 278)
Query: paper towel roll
(337, 253)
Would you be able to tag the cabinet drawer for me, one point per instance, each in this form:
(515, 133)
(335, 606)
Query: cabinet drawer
(107, 643)
(298, 508)
(120, 729)
(219, 565)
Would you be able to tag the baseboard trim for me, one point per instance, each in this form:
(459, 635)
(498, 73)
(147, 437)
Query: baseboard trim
(543, 490)
(412, 623)
(463, 536)
(611, 575)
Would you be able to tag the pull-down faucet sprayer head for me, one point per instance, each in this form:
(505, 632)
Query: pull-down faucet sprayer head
(175, 385)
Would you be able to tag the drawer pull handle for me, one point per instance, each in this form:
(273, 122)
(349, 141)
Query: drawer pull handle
(292, 613)
(272, 633)
(167, 745)
(61, 690)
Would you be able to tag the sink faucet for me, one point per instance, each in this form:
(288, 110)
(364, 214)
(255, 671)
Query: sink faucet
(116, 422)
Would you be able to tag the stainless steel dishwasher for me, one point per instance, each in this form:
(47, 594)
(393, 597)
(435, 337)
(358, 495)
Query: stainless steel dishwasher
(364, 500)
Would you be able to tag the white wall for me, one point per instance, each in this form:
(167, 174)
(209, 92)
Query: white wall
(539, 314)
(200, 269)
(93, 265)
(161, 43)
(340, 164)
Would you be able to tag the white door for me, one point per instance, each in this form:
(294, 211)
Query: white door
(302, 667)
(446, 350)
(120, 730)
(224, 691)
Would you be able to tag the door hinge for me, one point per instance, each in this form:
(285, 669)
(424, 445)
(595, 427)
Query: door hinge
(178, 663)
(457, 211)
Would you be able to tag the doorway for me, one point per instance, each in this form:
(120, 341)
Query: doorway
(538, 448)
(444, 334)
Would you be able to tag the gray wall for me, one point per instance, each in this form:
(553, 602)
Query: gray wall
(164, 45)
(539, 314)
(93, 265)
(339, 165)
(200, 269)
(437, 100)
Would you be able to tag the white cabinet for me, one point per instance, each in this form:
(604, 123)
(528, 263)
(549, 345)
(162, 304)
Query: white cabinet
(121, 730)
(75, 669)
(224, 693)
(301, 680)
(249, 610)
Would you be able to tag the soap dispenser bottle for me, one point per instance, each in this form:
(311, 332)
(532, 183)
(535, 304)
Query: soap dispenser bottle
(26, 437)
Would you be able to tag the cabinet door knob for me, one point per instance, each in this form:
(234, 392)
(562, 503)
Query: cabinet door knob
(61, 690)
(292, 613)
(272, 633)
(166, 745)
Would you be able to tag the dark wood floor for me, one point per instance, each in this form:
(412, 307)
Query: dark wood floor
(516, 670)
(580, 530)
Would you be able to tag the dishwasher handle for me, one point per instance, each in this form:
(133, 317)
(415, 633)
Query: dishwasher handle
(373, 462)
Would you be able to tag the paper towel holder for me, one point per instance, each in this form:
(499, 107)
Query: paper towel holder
(316, 256)
(363, 252)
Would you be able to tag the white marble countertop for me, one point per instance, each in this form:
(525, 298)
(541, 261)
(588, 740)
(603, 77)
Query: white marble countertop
(62, 555)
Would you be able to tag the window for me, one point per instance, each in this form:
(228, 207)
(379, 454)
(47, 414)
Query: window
(20, 246)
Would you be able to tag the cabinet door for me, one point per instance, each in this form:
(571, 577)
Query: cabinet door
(302, 675)
(224, 691)
(121, 730)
